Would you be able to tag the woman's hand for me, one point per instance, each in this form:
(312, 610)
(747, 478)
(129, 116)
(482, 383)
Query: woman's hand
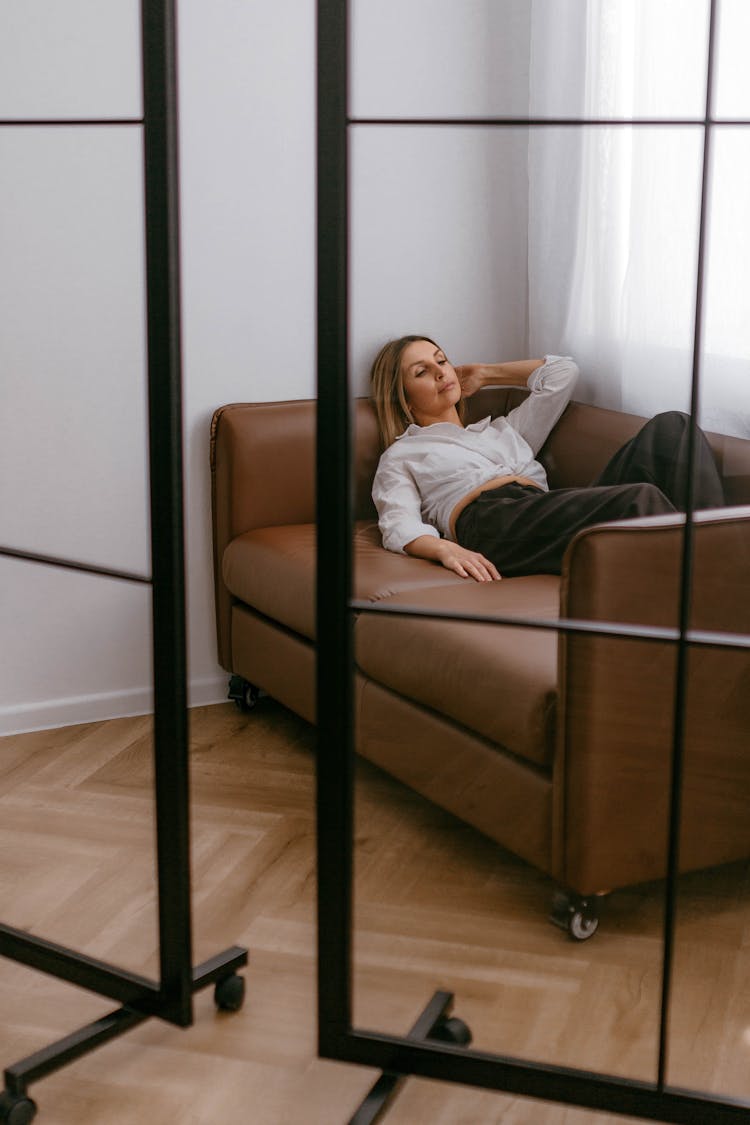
(514, 373)
(472, 377)
(468, 564)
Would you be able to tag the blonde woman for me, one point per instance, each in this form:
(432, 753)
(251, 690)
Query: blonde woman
(473, 497)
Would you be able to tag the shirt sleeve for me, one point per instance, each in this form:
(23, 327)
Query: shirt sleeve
(551, 386)
(399, 506)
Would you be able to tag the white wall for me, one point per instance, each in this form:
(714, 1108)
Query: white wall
(247, 102)
(438, 240)
(72, 405)
(439, 214)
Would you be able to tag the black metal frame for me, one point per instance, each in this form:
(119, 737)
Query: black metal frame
(337, 1038)
(169, 998)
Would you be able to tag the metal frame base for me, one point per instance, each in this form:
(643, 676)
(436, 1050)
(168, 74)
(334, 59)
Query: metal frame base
(430, 1025)
(15, 1106)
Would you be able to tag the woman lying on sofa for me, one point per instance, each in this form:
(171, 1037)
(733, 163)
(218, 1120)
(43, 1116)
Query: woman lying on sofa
(473, 497)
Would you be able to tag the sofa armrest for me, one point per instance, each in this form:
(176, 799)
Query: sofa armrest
(617, 701)
(262, 458)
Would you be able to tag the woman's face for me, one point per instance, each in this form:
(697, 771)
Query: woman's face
(431, 385)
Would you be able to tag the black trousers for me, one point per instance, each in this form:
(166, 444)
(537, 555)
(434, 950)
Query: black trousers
(524, 530)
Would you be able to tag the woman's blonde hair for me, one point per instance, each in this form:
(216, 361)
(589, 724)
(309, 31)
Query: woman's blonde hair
(387, 388)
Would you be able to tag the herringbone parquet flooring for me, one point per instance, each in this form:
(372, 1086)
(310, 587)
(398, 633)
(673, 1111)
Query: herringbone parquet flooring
(437, 906)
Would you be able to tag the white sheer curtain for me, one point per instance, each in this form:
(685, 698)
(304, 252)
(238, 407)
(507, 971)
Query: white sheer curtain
(614, 211)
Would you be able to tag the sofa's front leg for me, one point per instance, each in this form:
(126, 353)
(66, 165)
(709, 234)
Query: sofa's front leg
(576, 914)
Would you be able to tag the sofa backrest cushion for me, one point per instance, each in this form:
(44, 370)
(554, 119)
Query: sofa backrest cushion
(263, 463)
(587, 436)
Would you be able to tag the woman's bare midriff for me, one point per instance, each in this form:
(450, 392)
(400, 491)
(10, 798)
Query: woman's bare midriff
(496, 482)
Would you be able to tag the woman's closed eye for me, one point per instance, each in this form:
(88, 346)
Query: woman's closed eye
(441, 362)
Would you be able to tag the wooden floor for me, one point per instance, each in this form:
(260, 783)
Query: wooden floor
(437, 906)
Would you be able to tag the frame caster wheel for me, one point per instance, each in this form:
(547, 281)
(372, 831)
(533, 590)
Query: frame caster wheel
(244, 694)
(578, 916)
(452, 1030)
(16, 1110)
(229, 994)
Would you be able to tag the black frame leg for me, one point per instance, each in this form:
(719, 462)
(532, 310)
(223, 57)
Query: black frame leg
(56, 1055)
(387, 1086)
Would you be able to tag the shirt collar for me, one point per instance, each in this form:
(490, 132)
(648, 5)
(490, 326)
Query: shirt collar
(476, 427)
(482, 424)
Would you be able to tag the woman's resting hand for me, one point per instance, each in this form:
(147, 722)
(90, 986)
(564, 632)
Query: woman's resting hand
(467, 564)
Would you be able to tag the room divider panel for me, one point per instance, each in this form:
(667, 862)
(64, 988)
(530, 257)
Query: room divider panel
(435, 1046)
(169, 998)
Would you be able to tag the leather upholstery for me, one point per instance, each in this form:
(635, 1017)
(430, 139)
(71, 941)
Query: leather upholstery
(505, 798)
(273, 569)
(615, 733)
(493, 679)
(263, 475)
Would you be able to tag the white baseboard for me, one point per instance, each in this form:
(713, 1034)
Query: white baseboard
(208, 690)
(72, 710)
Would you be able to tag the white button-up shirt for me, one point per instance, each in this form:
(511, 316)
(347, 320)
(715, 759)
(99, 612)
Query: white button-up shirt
(428, 469)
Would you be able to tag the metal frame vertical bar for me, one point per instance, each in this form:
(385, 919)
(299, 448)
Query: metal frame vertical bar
(167, 532)
(335, 648)
(686, 584)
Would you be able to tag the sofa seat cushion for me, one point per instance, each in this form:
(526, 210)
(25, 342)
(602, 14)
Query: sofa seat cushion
(272, 569)
(497, 680)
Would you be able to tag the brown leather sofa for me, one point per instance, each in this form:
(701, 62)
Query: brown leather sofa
(556, 746)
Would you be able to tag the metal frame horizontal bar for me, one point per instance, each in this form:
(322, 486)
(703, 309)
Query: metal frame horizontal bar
(86, 972)
(387, 1086)
(591, 1090)
(556, 122)
(63, 1051)
(25, 122)
(696, 637)
(72, 564)
(85, 1039)
(218, 966)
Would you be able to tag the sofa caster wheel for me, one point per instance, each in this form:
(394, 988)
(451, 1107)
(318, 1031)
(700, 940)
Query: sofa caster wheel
(579, 916)
(582, 925)
(244, 694)
(16, 1110)
(229, 994)
(452, 1030)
